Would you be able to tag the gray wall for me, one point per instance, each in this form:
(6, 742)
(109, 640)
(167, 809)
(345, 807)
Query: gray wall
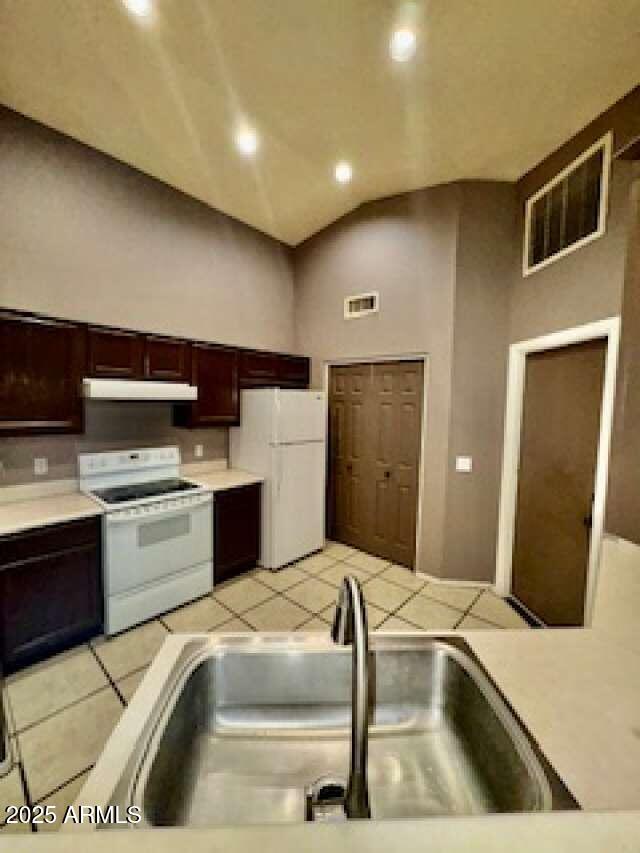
(85, 237)
(404, 247)
(108, 426)
(623, 504)
(581, 287)
(485, 264)
(443, 260)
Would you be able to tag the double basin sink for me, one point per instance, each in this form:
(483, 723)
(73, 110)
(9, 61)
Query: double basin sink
(246, 724)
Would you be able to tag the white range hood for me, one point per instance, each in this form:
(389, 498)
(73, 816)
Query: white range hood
(132, 389)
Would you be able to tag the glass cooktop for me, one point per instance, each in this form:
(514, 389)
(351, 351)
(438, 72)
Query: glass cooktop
(138, 491)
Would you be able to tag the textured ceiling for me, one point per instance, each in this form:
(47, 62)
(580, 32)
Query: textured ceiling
(494, 87)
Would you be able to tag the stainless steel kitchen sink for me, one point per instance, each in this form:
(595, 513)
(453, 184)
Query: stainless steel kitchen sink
(247, 724)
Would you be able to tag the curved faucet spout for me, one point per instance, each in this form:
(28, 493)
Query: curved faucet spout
(350, 628)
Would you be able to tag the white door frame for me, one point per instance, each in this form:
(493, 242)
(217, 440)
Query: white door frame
(609, 329)
(376, 359)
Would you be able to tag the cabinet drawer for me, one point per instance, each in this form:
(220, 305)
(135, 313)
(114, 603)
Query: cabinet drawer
(18, 547)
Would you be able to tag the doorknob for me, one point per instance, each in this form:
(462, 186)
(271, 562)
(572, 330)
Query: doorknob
(387, 474)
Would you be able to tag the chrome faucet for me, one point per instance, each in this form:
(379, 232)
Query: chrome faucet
(350, 628)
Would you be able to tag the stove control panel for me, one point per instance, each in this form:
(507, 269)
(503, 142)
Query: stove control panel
(142, 511)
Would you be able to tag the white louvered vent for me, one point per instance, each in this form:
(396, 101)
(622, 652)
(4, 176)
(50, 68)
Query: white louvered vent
(570, 211)
(361, 304)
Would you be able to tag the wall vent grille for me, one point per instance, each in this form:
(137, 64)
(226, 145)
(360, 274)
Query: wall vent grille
(569, 211)
(361, 304)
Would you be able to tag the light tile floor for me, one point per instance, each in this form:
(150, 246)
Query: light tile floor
(62, 711)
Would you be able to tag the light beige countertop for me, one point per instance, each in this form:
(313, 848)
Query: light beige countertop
(29, 513)
(547, 833)
(226, 478)
(39, 505)
(578, 693)
(579, 696)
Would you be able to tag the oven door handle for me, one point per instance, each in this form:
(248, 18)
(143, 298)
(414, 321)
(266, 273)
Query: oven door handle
(111, 518)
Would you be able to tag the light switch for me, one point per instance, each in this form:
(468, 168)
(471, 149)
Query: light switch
(40, 465)
(198, 451)
(464, 464)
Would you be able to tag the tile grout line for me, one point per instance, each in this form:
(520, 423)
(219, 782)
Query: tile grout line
(61, 710)
(64, 784)
(108, 676)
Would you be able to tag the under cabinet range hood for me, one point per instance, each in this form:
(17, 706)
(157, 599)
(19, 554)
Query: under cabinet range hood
(132, 389)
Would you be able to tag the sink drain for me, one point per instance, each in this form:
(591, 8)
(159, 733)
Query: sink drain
(324, 800)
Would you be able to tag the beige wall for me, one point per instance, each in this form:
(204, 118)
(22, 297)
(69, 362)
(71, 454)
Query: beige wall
(581, 287)
(87, 238)
(404, 247)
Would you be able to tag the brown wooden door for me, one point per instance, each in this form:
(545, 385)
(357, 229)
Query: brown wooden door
(115, 354)
(41, 367)
(375, 433)
(349, 494)
(558, 454)
(166, 359)
(395, 419)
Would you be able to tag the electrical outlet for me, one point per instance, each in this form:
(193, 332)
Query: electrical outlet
(40, 465)
(464, 464)
(198, 451)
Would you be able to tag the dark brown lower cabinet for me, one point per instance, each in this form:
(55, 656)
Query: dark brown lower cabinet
(236, 527)
(50, 590)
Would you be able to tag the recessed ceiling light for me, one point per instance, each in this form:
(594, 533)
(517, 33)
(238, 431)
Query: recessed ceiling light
(343, 172)
(247, 141)
(141, 8)
(402, 45)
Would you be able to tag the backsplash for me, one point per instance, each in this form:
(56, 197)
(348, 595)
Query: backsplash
(108, 426)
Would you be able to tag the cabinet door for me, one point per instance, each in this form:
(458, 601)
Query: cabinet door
(236, 531)
(50, 599)
(166, 359)
(215, 372)
(258, 369)
(293, 371)
(115, 354)
(41, 367)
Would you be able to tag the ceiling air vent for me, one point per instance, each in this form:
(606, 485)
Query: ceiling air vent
(361, 305)
(570, 211)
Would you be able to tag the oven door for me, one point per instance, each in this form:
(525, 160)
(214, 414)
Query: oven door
(144, 550)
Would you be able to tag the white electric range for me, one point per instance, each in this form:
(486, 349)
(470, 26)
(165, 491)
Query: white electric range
(157, 532)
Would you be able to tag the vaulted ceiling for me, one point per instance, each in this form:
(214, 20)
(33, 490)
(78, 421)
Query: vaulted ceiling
(494, 86)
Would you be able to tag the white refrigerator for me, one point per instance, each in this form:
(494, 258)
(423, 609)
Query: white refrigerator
(282, 437)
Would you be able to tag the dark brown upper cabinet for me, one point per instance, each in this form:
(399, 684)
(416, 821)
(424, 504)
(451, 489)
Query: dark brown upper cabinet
(115, 354)
(293, 371)
(258, 369)
(166, 359)
(41, 368)
(214, 370)
(269, 369)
